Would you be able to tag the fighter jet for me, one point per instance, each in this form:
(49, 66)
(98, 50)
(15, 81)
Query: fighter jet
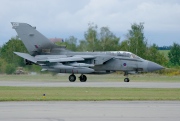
(60, 60)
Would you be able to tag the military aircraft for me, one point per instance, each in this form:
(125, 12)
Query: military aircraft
(60, 60)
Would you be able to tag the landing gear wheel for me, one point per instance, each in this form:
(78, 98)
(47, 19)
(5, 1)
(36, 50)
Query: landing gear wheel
(83, 78)
(72, 78)
(126, 80)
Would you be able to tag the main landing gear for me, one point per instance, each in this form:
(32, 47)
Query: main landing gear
(82, 78)
(126, 79)
(72, 78)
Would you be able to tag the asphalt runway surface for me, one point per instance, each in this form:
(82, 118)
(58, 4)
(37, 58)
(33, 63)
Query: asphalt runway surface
(91, 111)
(91, 84)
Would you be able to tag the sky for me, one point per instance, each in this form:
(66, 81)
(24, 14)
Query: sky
(65, 18)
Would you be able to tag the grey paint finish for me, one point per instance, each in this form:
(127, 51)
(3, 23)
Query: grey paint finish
(57, 59)
(153, 66)
(26, 56)
(90, 111)
(32, 39)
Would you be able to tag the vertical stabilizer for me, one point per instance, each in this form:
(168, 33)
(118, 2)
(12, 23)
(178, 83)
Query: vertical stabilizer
(33, 40)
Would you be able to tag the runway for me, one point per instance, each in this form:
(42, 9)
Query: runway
(91, 84)
(90, 111)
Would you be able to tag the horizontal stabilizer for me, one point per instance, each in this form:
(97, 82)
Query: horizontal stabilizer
(26, 56)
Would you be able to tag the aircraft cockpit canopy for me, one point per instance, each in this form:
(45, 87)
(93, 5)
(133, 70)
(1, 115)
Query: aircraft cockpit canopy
(124, 54)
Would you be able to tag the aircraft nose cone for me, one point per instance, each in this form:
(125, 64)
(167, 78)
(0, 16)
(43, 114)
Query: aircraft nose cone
(153, 66)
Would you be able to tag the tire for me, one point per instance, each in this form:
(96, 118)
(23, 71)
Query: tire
(126, 80)
(83, 78)
(72, 78)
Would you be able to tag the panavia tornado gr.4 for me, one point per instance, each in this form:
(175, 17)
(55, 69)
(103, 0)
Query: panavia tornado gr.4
(60, 60)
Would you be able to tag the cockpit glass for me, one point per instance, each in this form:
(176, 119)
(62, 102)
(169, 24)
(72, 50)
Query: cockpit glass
(135, 56)
(124, 54)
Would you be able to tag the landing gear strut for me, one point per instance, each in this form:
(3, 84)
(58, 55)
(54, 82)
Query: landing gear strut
(72, 78)
(126, 79)
(83, 78)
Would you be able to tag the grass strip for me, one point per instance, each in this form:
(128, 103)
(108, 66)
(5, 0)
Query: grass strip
(86, 94)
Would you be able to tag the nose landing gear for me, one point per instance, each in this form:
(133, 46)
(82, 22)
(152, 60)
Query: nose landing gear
(126, 79)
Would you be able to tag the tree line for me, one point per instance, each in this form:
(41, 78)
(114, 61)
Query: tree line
(164, 47)
(95, 39)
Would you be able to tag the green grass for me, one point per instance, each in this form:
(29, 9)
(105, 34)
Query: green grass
(165, 52)
(85, 94)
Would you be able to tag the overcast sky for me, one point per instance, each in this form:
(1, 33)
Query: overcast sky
(63, 18)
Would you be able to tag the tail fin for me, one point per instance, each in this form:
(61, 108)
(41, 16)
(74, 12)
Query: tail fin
(33, 40)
